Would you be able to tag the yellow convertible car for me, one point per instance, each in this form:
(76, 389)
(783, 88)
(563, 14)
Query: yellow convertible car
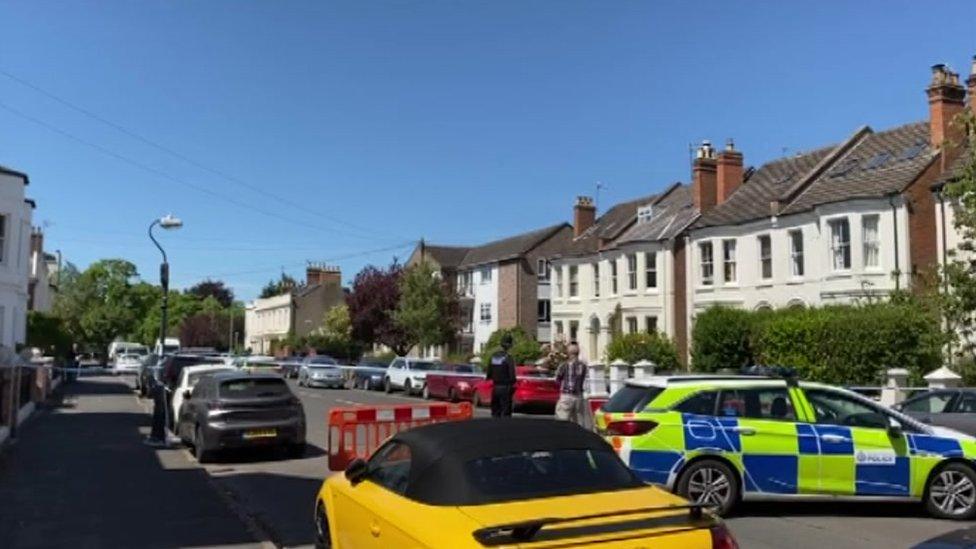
(517, 482)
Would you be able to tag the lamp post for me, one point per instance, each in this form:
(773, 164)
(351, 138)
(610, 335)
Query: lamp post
(158, 436)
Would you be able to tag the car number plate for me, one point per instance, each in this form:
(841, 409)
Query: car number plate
(260, 433)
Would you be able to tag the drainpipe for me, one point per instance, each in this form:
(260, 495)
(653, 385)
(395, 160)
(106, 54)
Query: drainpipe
(894, 218)
(945, 259)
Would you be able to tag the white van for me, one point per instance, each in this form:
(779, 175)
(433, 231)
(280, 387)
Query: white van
(171, 345)
(117, 348)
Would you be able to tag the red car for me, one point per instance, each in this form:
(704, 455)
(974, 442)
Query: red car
(452, 382)
(533, 387)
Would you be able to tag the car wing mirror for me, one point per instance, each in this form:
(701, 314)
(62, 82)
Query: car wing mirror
(356, 471)
(895, 428)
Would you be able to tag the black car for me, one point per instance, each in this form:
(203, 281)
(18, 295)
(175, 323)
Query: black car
(952, 408)
(241, 410)
(148, 376)
(369, 374)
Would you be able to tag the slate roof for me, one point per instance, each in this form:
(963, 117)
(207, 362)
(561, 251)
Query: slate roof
(511, 247)
(447, 256)
(880, 164)
(672, 212)
(607, 227)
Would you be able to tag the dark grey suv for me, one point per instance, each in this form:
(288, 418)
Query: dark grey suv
(241, 410)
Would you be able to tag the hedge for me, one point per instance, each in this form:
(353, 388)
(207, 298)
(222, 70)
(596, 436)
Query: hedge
(632, 348)
(851, 344)
(525, 349)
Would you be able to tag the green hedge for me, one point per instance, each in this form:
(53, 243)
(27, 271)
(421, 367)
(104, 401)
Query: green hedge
(525, 349)
(836, 344)
(632, 348)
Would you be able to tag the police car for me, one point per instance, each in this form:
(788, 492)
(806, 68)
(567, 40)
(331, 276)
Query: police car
(718, 439)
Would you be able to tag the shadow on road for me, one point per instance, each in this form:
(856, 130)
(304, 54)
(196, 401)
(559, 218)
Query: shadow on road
(281, 504)
(258, 455)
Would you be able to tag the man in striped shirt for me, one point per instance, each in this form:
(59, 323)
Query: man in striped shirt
(571, 376)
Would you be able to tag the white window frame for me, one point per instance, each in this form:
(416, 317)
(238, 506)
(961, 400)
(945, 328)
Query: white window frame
(797, 261)
(573, 281)
(650, 324)
(486, 275)
(596, 279)
(542, 269)
(765, 258)
(729, 262)
(613, 277)
(839, 249)
(632, 325)
(546, 306)
(632, 272)
(557, 275)
(706, 263)
(650, 270)
(869, 246)
(484, 313)
(573, 330)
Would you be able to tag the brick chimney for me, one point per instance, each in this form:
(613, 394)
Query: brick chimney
(729, 172)
(584, 215)
(704, 185)
(946, 101)
(320, 273)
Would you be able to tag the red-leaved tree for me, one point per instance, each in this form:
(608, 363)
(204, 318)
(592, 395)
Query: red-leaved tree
(374, 299)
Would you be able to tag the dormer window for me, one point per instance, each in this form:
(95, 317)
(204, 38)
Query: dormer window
(644, 214)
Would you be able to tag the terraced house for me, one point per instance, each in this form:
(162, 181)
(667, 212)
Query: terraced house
(623, 272)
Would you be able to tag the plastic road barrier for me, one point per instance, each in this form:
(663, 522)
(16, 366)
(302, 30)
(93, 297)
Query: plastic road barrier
(357, 432)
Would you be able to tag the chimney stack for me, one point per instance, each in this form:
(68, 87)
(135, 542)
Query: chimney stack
(729, 172)
(704, 187)
(946, 101)
(320, 273)
(584, 215)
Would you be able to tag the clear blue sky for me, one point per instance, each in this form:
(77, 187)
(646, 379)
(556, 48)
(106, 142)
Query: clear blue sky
(457, 121)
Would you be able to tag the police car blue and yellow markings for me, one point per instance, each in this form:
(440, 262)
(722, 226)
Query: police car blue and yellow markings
(789, 457)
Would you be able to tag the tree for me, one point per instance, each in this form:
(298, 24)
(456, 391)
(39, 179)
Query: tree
(428, 310)
(632, 348)
(372, 304)
(525, 349)
(959, 274)
(337, 322)
(101, 304)
(278, 287)
(215, 289)
(47, 332)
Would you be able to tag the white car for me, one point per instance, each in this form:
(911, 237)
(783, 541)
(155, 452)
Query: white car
(127, 364)
(321, 371)
(408, 375)
(188, 379)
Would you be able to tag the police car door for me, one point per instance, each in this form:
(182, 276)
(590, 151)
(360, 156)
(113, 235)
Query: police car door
(765, 431)
(859, 455)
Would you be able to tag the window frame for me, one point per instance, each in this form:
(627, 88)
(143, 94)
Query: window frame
(797, 269)
(650, 270)
(542, 270)
(482, 308)
(573, 281)
(676, 407)
(842, 248)
(557, 279)
(650, 324)
(632, 325)
(485, 275)
(595, 269)
(546, 306)
(632, 272)
(613, 277)
(729, 260)
(765, 256)
(709, 278)
(908, 423)
(875, 244)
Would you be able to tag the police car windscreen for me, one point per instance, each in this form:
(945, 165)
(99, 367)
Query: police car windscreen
(535, 474)
(631, 398)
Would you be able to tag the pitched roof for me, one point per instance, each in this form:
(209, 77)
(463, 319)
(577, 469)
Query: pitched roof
(671, 213)
(880, 164)
(608, 226)
(511, 247)
(447, 256)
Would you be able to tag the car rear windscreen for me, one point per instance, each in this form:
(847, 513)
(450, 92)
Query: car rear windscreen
(253, 388)
(535, 474)
(631, 398)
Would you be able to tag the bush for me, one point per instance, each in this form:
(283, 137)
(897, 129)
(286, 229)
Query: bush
(836, 344)
(720, 339)
(632, 348)
(525, 349)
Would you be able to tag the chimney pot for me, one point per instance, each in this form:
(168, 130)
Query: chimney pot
(584, 215)
(729, 173)
(946, 101)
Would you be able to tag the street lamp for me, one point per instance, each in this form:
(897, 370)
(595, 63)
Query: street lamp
(158, 437)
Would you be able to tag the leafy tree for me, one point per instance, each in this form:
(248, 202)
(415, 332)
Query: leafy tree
(337, 322)
(428, 310)
(720, 339)
(372, 305)
(101, 303)
(525, 349)
(632, 348)
(47, 332)
(215, 289)
(278, 287)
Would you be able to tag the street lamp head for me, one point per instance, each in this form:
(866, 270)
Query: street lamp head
(169, 221)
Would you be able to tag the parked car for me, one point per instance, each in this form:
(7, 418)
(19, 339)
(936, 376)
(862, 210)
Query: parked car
(321, 371)
(238, 409)
(127, 364)
(533, 388)
(148, 376)
(452, 382)
(369, 374)
(189, 377)
(173, 364)
(952, 408)
(289, 366)
(718, 439)
(514, 483)
(408, 375)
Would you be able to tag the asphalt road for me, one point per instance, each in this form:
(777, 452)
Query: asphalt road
(271, 497)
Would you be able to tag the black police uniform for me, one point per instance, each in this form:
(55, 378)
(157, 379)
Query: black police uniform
(501, 372)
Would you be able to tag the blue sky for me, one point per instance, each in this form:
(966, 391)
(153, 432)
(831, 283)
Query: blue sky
(330, 130)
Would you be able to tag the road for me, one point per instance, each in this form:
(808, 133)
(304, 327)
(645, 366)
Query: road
(93, 441)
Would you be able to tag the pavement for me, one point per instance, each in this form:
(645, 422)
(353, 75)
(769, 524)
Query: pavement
(80, 477)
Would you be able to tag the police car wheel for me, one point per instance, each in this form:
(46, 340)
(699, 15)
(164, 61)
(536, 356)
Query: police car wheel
(951, 493)
(710, 482)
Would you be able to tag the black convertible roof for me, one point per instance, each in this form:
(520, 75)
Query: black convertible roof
(440, 451)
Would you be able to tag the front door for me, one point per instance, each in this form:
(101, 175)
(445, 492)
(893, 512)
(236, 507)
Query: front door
(857, 454)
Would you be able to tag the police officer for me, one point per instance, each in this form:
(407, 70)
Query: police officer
(501, 372)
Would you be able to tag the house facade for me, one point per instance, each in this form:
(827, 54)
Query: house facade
(15, 229)
(43, 270)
